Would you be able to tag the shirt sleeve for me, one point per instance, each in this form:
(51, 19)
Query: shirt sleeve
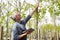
(14, 33)
(26, 19)
(19, 30)
(16, 37)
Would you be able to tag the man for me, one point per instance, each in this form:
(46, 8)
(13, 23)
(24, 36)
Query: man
(18, 31)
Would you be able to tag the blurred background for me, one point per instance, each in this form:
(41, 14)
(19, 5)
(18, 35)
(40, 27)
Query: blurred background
(45, 21)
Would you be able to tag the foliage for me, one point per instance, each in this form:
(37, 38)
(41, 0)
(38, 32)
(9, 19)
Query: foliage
(8, 9)
(47, 27)
(58, 28)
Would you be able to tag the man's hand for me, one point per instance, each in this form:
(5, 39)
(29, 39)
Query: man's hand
(36, 7)
(28, 31)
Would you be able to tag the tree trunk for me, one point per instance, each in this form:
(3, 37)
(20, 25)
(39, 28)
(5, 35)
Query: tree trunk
(37, 34)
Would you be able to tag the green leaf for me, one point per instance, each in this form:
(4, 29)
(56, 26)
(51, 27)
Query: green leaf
(51, 10)
(9, 13)
(23, 15)
(58, 28)
(57, 13)
(1, 19)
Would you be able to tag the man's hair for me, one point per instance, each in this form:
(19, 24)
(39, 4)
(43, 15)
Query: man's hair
(14, 15)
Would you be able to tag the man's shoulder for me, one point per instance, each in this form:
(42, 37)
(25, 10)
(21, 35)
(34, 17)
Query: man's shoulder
(22, 22)
(14, 25)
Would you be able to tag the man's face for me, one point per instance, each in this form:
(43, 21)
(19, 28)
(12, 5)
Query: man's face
(18, 16)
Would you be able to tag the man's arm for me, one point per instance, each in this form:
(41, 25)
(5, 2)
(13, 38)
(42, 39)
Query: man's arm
(17, 37)
(29, 16)
(22, 35)
(34, 9)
